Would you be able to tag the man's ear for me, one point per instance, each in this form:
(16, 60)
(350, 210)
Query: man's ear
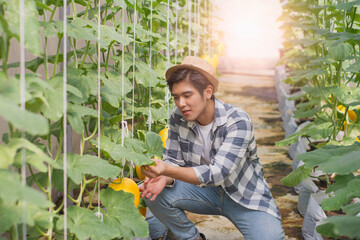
(208, 91)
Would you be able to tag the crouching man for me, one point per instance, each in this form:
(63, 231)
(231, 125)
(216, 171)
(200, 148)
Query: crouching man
(210, 164)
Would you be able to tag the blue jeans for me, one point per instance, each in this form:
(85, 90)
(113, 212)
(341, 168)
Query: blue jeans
(169, 208)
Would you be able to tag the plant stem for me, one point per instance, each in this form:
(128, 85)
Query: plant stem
(36, 180)
(14, 232)
(57, 57)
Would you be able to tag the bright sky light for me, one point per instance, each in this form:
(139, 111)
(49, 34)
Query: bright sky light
(250, 27)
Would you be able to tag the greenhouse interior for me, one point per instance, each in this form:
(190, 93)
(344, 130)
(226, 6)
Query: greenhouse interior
(182, 119)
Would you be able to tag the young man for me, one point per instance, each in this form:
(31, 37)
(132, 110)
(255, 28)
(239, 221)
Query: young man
(210, 164)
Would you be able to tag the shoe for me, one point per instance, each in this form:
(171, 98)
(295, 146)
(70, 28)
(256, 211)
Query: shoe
(202, 236)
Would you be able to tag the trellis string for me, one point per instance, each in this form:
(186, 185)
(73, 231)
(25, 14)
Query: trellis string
(133, 90)
(22, 106)
(98, 213)
(49, 166)
(176, 29)
(123, 85)
(167, 100)
(65, 116)
(149, 121)
(189, 27)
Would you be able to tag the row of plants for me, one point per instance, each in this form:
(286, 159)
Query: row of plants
(322, 62)
(36, 134)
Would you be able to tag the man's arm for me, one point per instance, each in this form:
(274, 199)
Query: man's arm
(185, 174)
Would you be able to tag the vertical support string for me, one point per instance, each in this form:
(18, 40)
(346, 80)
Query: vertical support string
(122, 83)
(22, 106)
(199, 24)
(167, 100)
(168, 35)
(209, 26)
(65, 115)
(98, 213)
(176, 29)
(133, 90)
(150, 65)
(189, 27)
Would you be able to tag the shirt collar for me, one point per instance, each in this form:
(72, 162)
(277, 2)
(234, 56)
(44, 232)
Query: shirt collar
(220, 116)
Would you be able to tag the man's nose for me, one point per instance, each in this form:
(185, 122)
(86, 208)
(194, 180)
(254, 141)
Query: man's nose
(182, 102)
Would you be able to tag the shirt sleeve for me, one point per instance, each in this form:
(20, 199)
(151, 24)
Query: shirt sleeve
(230, 155)
(172, 153)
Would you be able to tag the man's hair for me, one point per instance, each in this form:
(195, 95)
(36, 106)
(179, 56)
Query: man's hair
(196, 79)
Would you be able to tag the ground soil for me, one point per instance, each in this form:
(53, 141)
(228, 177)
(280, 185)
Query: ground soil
(256, 94)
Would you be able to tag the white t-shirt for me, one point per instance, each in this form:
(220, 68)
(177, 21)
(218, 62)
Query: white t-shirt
(205, 138)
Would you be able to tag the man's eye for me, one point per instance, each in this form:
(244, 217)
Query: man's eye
(187, 96)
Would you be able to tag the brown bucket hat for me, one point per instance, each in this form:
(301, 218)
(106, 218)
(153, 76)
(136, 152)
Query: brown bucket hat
(198, 64)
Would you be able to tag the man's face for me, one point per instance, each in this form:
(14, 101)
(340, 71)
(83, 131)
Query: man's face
(189, 101)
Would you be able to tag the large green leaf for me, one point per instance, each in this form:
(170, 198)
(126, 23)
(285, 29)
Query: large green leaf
(54, 111)
(331, 158)
(340, 182)
(316, 131)
(352, 209)
(296, 176)
(340, 226)
(30, 122)
(345, 6)
(88, 164)
(34, 156)
(154, 144)
(12, 190)
(349, 96)
(9, 215)
(122, 215)
(32, 29)
(117, 152)
(342, 196)
(340, 52)
(84, 224)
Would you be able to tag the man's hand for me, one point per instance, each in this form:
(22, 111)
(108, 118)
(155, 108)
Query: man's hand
(155, 171)
(152, 187)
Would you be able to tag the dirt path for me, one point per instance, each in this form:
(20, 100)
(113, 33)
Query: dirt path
(256, 95)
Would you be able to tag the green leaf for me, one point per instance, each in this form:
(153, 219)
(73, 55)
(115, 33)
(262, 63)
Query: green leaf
(352, 209)
(117, 152)
(9, 215)
(306, 114)
(340, 182)
(340, 52)
(75, 121)
(346, 6)
(340, 226)
(84, 224)
(154, 144)
(295, 136)
(12, 190)
(32, 29)
(122, 215)
(331, 158)
(342, 196)
(349, 96)
(110, 35)
(54, 109)
(30, 122)
(296, 176)
(87, 164)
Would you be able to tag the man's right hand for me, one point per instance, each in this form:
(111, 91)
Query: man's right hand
(152, 187)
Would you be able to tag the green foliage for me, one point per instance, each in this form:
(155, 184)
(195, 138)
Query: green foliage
(36, 135)
(321, 52)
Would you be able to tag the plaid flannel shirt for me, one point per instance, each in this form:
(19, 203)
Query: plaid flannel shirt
(234, 164)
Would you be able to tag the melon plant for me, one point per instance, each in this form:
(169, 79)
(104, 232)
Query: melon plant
(36, 134)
